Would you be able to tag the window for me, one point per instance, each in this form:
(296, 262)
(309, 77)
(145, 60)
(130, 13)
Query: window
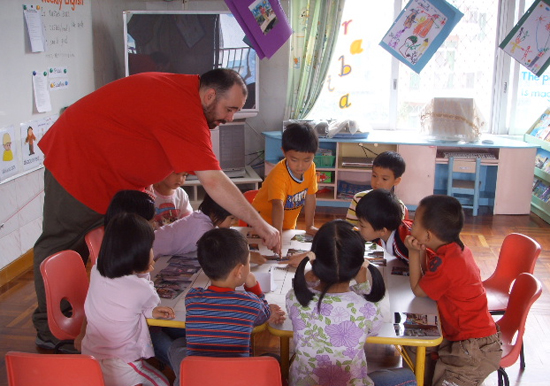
(367, 84)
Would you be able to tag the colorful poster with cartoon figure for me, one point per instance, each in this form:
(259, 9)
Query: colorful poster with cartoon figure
(31, 133)
(419, 30)
(8, 165)
(529, 41)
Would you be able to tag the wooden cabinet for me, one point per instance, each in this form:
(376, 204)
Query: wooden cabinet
(506, 178)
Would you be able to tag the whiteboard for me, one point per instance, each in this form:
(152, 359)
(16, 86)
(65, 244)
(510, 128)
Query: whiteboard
(68, 36)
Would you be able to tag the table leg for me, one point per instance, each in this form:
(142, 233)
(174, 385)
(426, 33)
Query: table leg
(420, 365)
(285, 355)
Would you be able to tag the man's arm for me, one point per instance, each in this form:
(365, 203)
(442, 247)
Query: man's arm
(277, 216)
(309, 213)
(224, 192)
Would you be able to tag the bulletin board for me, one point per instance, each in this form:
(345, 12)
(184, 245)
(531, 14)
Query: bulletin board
(66, 65)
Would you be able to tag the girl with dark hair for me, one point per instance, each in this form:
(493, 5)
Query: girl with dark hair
(120, 298)
(331, 319)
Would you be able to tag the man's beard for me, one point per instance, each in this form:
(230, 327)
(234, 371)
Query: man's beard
(209, 113)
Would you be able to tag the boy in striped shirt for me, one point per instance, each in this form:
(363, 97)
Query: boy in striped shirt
(219, 320)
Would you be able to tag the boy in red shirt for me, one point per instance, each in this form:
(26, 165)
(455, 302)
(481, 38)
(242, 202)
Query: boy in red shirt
(471, 348)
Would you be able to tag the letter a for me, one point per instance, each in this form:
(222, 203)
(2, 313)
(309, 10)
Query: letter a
(344, 102)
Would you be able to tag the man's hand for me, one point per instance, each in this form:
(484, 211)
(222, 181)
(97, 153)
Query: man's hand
(270, 236)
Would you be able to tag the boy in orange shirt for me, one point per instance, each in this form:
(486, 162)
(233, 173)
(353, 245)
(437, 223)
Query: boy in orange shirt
(292, 183)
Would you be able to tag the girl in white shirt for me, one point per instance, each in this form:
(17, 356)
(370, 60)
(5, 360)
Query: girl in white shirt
(120, 298)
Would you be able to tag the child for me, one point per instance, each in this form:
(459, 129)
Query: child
(329, 334)
(120, 298)
(130, 201)
(171, 201)
(471, 347)
(181, 236)
(380, 219)
(220, 320)
(387, 169)
(292, 183)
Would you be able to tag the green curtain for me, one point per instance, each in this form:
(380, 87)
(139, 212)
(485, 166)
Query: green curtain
(315, 24)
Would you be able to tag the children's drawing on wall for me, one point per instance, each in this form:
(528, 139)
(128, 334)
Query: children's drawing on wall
(264, 14)
(529, 41)
(29, 139)
(419, 30)
(31, 133)
(8, 166)
(6, 143)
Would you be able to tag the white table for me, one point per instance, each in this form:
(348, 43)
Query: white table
(399, 298)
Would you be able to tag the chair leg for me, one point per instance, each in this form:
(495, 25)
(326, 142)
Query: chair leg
(522, 358)
(503, 378)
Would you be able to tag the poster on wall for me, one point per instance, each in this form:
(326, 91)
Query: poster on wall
(8, 165)
(419, 30)
(31, 133)
(264, 22)
(529, 41)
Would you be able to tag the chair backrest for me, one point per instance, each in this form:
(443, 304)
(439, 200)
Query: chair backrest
(65, 278)
(93, 240)
(209, 371)
(525, 291)
(249, 195)
(518, 254)
(52, 370)
(467, 166)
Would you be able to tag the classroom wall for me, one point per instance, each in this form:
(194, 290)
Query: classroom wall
(68, 32)
(100, 60)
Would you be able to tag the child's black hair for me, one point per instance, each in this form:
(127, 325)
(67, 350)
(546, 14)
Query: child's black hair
(381, 209)
(442, 215)
(126, 246)
(390, 160)
(130, 201)
(220, 250)
(339, 254)
(213, 210)
(300, 137)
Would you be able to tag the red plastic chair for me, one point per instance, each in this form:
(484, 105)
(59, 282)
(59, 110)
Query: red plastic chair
(93, 240)
(211, 371)
(249, 195)
(52, 370)
(518, 254)
(65, 278)
(525, 291)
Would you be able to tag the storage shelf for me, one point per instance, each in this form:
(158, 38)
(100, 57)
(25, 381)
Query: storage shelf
(539, 207)
(507, 178)
(542, 175)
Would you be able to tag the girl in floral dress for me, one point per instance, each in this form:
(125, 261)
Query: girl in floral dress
(331, 319)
